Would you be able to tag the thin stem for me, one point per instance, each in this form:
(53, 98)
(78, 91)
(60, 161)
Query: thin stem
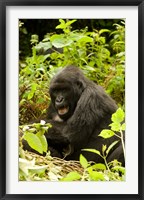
(106, 163)
(104, 157)
(123, 146)
(83, 176)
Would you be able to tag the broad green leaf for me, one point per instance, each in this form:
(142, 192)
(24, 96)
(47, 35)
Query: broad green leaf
(106, 133)
(111, 146)
(100, 166)
(72, 176)
(43, 140)
(115, 126)
(75, 36)
(96, 176)
(34, 141)
(97, 166)
(85, 39)
(93, 151)
(43, 45)
(83, 161)
(60, 41)
(118, 116)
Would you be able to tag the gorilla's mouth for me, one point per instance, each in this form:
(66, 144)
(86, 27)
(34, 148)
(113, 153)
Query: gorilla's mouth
(63, 110)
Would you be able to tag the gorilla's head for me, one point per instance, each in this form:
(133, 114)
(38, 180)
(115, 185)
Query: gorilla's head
(66, 88)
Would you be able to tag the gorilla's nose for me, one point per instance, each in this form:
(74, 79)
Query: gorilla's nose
(59, 100)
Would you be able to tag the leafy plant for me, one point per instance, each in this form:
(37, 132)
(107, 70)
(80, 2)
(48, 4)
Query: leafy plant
(99, 53)
(117, 125)
(34, 135)
(96, 172)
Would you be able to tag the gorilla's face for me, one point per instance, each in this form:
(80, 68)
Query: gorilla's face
(65, 91)
(62, 96)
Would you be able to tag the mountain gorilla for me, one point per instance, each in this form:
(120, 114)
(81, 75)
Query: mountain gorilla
(79, 110)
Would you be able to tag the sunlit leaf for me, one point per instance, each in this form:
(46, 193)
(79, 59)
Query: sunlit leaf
(60, 41)
(123, 127)
(106, 133)
(93, 151)
(115, 126)
(33, 141)
(96, 176)
(43, 140)
(111, 146)
(118, 116)
(72, 176)
(83, 161)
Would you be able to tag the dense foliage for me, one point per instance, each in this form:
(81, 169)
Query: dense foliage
(100, 53)
(35, 167)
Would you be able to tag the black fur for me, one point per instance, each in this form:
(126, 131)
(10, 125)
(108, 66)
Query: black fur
(90, 110)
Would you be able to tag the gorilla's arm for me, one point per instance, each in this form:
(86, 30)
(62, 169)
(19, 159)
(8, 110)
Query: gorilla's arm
(55, 133)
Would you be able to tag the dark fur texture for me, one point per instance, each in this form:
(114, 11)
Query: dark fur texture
(89, 112)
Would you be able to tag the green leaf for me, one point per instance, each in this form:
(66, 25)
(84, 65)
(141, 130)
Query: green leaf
(118, 116)
(83, 161)
(61, 25)
(104, 148)
(33, 87)
(71, 22)
(103, 31)
(123, 127)
(106, 133)
(111, 146)
(64, 25)
(85, 39)
(115, 126)
(96, 176)
(43, 45)
(43, 140)
(33, 141)
(97, 166)
(60, 41)
(100, 166)
(93, 151)
(72, 176)
(30, 95)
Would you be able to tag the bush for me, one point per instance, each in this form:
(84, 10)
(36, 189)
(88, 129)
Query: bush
(100, 54)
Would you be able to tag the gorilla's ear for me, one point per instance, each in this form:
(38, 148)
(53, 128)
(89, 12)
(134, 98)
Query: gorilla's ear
(81, 83)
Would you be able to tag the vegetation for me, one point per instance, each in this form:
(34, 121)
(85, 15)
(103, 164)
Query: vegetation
(101, 55)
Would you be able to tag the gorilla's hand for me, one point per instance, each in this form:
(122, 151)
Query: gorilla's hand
(54, 152)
